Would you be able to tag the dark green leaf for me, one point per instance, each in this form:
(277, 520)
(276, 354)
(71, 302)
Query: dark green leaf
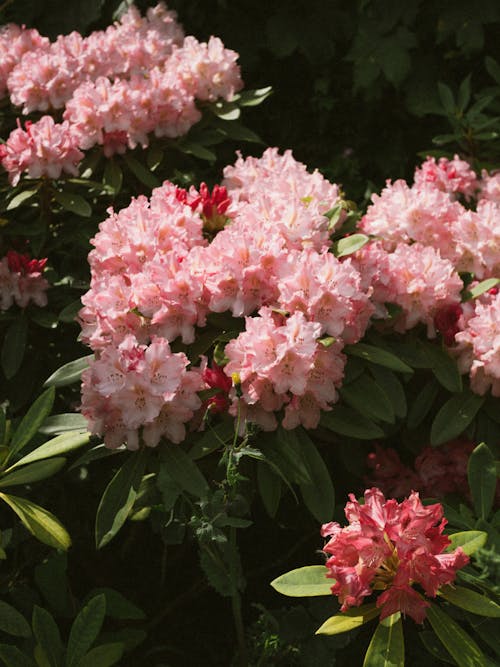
(457, 642)
(32, 421)
(119, 497)
(351, 423)
(309, 581)
(236, 130)
(183, 471)
(482, 476)
(12, 657)
(464, 94)
(378, 356)
(269, 485)
(32, 472)
(74, 203)
(368, 398)
(69, 312)
(14, 346)
(422, 403)
(392, 386)
(51, 579)
(40, 523)
(103, 656)
(199, 151)
(67, 421)
(454, 417)
(62, 444)
(140, 172)
(47, 635)
(12, 622)
(387, 647)
(434, 646)
(212, 439)
(447, 99)
(69, 373)
(85, 630)
(318, 492)
(113, 176)
(117, 606)
(444, 368)
(154, 157)
(250, 98)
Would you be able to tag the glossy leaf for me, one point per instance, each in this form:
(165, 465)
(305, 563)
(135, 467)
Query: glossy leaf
(183, 470)
(368, 398)
(421, 405)
(445, 368)
(32, 472)
(482, 476)
(69, 312)
(47, 635)
(469, 540)
(103, 656)
(62, 444)
(117, 605)
(14, 346)
(13, 622)
(481, 288)
(457, 642)
(142, 174)
(387, 647)
(392, 386)
(434, 646)
(454, 417)
(318, 492)
(470, 601)
(12, 657)
(269, 485)
(349, 620)
(119, 497)
(350, 244)
(20, 198)
(378, 356)
(69, 421)
(39, 521)
(85, 630)
(349, 422)
(69, 373)
(74, 203)
(309, 581)
(32, 421)
(113, 176)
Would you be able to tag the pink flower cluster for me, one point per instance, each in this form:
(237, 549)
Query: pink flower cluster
(389, 547)
(155, 277)
(44, 148)
(21, 281)
(116, 87)
(436, 473)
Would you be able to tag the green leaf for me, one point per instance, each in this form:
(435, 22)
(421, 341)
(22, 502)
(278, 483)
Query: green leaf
(446, 97)
(20, 198)
(12, 622)
(387, 647)
(464, 94)
(12, 657)
(47, 635)
(318, 492)
(482, 476)
(14, 346)
(68, 421)
(269, 485)
(199, 151)
(85, 630)
(117, 605)
(349, 620)
(493, 68)
(251, 98)
(103, 656)
(52, 581)
(392, 386)
(422, 404)
(32, 421)
(44, 318)
(62, 444)
(113, 176)
(444, 368)
(457, 642)
(481, 288)
(225, 110)
(69, 373)
(434, 646)
(74, 203)
(350, 244)
(119, 497)
(368, 398)
(140, 172)
(235, 130)
(309, 581)
(3, 426)
(469, 540)
(378, 356)
(154, 157)
(470, 601)
(454, 417)
(68, 313)
(212, 439)
(351, 423)
(32, 473)
(39, 521)
(183, 471)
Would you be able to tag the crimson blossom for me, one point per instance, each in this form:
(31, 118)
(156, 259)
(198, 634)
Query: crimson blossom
(390, 546)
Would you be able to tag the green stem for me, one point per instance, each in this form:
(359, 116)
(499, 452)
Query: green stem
(236, 604)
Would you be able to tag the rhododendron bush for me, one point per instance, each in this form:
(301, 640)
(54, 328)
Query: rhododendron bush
(233, 347)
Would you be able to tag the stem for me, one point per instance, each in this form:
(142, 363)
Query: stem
(236, 604)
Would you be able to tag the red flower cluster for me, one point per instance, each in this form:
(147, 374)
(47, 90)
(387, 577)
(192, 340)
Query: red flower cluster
(390, 546)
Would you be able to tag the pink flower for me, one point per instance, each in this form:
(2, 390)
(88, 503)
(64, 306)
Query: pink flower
(452, 176)
(21, 281)
(390, 546)
(45, 148)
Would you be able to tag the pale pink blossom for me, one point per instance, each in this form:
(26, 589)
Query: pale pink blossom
(452, 176)
(390, 546)
(490, 187)
(15, 42)
(44, 148)
(477, 240)
(21, 281)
